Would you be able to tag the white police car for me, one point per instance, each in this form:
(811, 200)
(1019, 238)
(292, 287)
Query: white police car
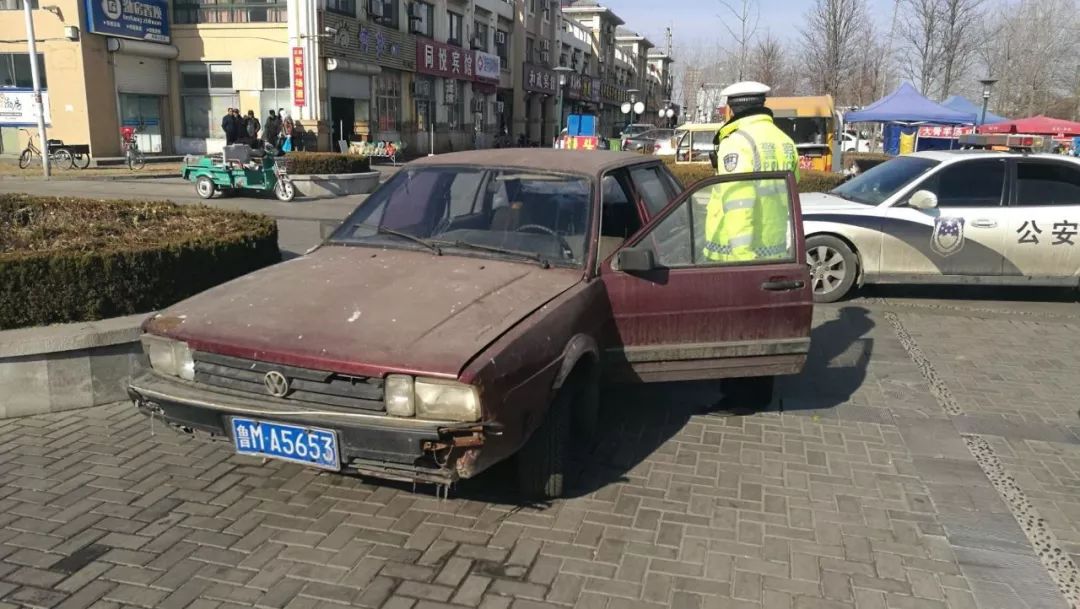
(949, 217)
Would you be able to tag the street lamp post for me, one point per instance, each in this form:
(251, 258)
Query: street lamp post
(35, 77)
(562, 72)
(987, 83)
(633, 102)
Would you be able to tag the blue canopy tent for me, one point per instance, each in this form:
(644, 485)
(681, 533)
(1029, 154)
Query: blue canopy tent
(907, 106)
(963, 104)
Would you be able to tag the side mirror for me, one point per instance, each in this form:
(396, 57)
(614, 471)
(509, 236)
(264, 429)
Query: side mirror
(923, 199)
(634, 260)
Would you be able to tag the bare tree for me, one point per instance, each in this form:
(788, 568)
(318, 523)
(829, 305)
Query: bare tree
(742, 25)
(768, 63)
(959, 23)
(921, 42)
(831, 44)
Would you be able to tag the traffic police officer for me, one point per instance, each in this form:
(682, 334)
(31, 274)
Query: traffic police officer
(749, 220)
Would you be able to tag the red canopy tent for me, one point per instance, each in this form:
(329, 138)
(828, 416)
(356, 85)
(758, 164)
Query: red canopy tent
(1035, 125)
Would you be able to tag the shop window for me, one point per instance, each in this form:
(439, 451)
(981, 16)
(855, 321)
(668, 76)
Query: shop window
(455, 34)
(423, 23)
(390, 13)
(222, 11)
(276, 85)
(206, 93)
(15, 5)
(342, 7)
(15, 70)
(388, 103)
(530, 49)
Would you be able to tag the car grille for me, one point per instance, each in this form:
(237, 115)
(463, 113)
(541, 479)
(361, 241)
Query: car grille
(305, 385)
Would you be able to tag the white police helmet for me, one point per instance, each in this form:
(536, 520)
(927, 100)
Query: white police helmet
(746, 88)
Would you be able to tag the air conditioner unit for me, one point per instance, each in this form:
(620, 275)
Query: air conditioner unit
(477, 42)
(478, 105)
(545, 45)
(375, 9)
(500, 37)
(415, 11)
(545, 56)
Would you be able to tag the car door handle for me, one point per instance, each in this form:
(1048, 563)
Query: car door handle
(783, 285)
(984, 223)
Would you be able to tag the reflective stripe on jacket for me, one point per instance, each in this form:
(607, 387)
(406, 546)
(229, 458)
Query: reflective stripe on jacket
(749, 220)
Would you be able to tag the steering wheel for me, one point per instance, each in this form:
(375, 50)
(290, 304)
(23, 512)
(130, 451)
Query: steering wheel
(568, 251)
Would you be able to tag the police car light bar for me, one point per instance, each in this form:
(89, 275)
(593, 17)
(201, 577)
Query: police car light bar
(1010, 141)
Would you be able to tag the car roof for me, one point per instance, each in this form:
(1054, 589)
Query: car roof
(582, 162)
(945, 156)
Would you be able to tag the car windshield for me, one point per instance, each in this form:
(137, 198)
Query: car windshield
(491, 212)
(884, 180)
(656, 134)
(633, 130)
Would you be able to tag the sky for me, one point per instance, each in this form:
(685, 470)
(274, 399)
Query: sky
(697, 20)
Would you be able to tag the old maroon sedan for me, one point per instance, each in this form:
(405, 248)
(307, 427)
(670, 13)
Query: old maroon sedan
(468, 310)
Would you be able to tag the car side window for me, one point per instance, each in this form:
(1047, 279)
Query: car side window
(728, 223)
(1047, 184)
(651, 187)
(977, 183)
(619, 216)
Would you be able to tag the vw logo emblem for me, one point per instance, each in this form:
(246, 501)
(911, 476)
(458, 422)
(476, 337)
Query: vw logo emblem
(276, 383)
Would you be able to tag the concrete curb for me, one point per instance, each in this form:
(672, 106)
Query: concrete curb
(67, 366)
(336, 185)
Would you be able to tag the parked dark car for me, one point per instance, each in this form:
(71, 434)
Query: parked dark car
(649, 141)
(468, 310)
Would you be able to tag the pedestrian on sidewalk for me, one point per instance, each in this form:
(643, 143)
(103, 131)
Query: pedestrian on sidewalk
(286, 133)
(251, 128)
(230, 127)
(271, 129)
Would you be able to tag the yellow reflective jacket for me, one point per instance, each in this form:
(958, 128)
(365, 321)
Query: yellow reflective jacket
(749, 220)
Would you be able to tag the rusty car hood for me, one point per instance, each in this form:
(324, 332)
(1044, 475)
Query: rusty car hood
(366, 311)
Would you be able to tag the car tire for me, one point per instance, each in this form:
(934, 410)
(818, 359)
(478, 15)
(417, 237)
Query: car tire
(833, 267)
(204, 187)
(749, 394)
(543, 463)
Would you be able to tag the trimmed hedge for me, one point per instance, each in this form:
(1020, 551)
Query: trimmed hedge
(304, 163)
(811, 181)
(67, 260)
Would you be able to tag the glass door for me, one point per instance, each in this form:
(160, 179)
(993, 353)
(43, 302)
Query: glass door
(143, 112)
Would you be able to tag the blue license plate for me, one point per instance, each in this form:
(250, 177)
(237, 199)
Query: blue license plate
(307, 445)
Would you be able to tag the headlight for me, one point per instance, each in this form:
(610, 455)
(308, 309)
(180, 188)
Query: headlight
(430, 399)
(446, 400)
(398, 392)
(170, 357)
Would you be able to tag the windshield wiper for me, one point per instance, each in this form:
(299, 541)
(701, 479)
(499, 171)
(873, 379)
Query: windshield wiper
(382, 230)
(544, 262)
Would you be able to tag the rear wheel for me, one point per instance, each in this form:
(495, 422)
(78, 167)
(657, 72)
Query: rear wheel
(61, 159)
(204, 187)
(82, 161)
(543, 463)
(136, 160)
(833, 267)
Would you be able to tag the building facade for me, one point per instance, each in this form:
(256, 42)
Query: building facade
(431, 75)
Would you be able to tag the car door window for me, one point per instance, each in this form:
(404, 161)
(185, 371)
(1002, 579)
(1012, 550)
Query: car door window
(618, 215)
(650, 185)
(1047, 183)
(727, 223)
(976, 183)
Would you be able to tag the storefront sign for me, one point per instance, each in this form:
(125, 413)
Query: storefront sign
(138, 19)
(445, 60)
(488, 66)
(540, 80)
(299, 77)
(581, 87)
(356, 40)
(17, 107)
(944, 131)
(612, 93)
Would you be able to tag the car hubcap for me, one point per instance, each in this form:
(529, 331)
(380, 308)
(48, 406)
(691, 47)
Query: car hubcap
(204, 188)
(827, 269)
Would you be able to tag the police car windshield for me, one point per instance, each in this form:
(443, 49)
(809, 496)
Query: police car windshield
(884, 180)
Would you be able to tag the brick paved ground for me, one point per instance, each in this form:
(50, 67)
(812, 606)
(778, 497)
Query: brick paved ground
(858, 489)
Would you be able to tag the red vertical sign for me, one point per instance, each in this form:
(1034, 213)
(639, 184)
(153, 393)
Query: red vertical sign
(298, 77)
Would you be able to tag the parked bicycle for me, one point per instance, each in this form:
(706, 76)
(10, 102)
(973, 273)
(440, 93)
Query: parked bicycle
(59, 156)
(133, 156)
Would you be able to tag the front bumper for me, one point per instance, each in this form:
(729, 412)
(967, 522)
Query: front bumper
(369, 443)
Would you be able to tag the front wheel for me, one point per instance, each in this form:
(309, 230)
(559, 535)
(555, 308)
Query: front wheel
(543, 464)
(204, 187)
(136, 160)
(24, 159)
(284, 190)
(833, 267)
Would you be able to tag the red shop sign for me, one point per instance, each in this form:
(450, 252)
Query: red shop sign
(298, 77)
(441, 59)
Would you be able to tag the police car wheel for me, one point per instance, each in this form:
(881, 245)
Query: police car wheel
(833, 267)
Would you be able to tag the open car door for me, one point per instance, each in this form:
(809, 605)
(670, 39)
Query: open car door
(677, 315)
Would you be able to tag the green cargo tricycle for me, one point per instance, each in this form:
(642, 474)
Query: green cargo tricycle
(236, 169)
